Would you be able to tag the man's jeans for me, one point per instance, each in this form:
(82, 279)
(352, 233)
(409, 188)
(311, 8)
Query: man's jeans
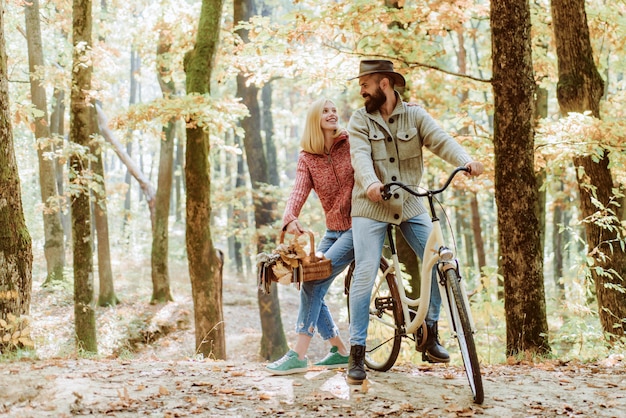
(314, 314)
(369, 237)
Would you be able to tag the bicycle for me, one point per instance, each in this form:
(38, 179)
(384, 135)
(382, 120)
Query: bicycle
(394, 315)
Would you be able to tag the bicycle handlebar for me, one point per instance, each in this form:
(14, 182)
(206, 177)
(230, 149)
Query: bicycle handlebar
(386, 192)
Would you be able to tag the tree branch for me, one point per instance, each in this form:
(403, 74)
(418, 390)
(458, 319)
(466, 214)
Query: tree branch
(133, 169)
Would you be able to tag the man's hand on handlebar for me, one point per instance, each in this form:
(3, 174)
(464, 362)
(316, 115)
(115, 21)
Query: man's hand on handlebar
(475, 168)
(374, 192)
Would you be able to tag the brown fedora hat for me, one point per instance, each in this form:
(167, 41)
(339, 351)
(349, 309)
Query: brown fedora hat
(368, 67)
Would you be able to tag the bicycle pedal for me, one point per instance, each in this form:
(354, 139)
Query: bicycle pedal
(386, 303)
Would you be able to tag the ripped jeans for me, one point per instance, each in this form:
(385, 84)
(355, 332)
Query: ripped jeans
(313, 313)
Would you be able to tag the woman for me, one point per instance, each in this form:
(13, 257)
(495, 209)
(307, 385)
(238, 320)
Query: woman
(323, 166)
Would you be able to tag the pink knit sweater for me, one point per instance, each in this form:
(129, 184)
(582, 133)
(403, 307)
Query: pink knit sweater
(331, 177)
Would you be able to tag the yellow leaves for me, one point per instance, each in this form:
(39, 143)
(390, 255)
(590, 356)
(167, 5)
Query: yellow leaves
(15, 332)
(217, 116)
(291, 255)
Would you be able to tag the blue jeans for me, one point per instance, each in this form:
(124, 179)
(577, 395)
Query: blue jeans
(314, 314)
(369, 237)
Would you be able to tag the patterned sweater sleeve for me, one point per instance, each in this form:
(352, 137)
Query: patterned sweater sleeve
(299, 193)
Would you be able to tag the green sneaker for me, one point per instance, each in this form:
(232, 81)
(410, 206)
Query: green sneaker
(333, 359)
(288, 364)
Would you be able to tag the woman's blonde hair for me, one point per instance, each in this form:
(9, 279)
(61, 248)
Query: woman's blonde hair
(313, 138)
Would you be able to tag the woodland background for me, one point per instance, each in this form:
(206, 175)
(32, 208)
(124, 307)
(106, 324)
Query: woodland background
(273, 59)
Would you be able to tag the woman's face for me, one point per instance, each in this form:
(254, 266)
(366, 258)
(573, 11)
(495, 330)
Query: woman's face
(330, 119)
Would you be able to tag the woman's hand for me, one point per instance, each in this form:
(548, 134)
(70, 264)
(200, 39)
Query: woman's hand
(294, 228)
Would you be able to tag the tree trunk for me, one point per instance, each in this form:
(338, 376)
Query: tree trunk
(580, 88)
(106, 294)
(558, 239)
(515, 187)
(463, 230)
(132, 99)
(54, 250)
(267, 126)
(237, 215)
(81, 129)
(204, 263)
(179, 184)
(57, 130)
(16, 257)
(479, 244)
(160, 229)
(273, 340)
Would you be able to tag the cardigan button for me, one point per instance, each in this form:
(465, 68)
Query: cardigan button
(394, 178)
(389, 139)
(396, 195)
(390, 120)
(391, 160)
(396, 216)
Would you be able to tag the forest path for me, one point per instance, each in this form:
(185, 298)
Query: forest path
(146, 366)
(128, 388)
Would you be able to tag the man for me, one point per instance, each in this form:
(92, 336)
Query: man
(386, 140)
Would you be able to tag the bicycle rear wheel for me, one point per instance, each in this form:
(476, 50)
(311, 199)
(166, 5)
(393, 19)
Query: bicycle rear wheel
(464, 335)
(384, 334)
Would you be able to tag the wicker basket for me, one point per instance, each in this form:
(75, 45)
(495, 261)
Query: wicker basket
(311, 267)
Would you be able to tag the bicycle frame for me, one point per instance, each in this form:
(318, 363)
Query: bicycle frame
(394, 315)
(436, 253)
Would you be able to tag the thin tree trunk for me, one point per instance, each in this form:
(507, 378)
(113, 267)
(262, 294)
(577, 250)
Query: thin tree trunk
(80, 132)
(236, 216)
(160, 232)
(106, 293)
(133, 98)
(267, 125)
(558, 219)
(468, 234)
(474, 239)
(54, 250)
(57, 130)
(515, 187)
(204, 262)
(16, 257)
(273, 340)
(479, 244)
(179, 158)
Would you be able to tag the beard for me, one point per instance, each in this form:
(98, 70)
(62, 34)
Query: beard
(373, 102)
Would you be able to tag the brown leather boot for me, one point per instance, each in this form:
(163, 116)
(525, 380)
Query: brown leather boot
(356, 365)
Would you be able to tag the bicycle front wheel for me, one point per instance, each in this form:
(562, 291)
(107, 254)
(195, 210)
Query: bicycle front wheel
(464, 334)
(384, 334)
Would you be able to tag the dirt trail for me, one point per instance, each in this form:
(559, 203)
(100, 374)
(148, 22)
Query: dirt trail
(64, 388)
(163, 378)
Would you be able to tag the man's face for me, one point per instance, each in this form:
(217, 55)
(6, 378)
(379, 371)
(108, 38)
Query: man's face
(372, 93)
